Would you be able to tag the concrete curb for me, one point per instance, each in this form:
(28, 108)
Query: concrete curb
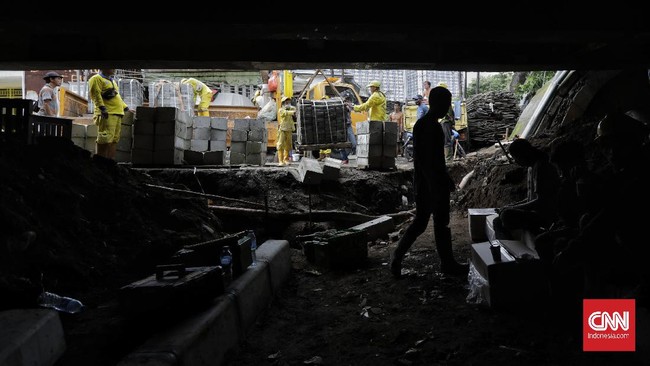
(30, 337)
(206, 338)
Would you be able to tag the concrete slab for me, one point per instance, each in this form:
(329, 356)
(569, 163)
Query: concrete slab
(201, 340)
(252, 291)
(277, 254)
(377, 228)
(30, 337)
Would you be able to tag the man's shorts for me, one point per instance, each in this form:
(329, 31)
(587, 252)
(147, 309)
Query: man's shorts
(108, 129)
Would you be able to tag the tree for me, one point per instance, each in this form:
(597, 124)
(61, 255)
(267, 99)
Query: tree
(496, 82)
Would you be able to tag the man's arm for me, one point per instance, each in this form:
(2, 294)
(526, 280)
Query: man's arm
(374, 100)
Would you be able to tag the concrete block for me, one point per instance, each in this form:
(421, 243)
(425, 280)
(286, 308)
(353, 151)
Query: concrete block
(30, 337)
(165, 114)
(377, 228)
(277, 254)
(201, 122)
(256, 159)
(309, 171)
(199, 145)
(218, 135)
(512, 282)
(218, 123)
(242, 124)
(390, 128)
(184, 131)
(390, 138)
(163, 157)
(253, 147)
(183, 117)
(476, 223)
(142, 127)
(252, 291)
(124, 144)
(90, 143)
(141, 156)
(80, 141)
(256, 124)
(78, 130)
(346, 249)
(239, 135)
(91, 131)
(238, 146)
(218, 145)
(128, 118)
(126, 131)
(193, 157)
(258, 135)
(332, 169)
(214, 157)
(201, 133)
(165, 128)
(182, 144)
(387, 162)
(203, 339)
(364, 150)
(370, 138)
(144, 115)
(145, 142)
(237, 158)
(363, 127)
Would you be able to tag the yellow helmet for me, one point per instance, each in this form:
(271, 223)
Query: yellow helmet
(284, 99)
(374, 83)
(444, 85)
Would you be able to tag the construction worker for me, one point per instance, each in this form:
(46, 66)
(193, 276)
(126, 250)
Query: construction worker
(376, 104)
(48, 100)
(202, 90)
(285, 127)
(109, 110)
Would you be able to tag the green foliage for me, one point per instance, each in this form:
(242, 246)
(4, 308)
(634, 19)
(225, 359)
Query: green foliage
(534, 81)
(497, 82)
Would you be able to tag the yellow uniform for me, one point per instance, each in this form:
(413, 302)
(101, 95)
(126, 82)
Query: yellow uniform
(108, 128)
(376, 104)
(203, 91)
(285, 127)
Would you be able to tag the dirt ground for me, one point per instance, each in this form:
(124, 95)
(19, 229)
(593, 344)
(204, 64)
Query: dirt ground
(84, 227)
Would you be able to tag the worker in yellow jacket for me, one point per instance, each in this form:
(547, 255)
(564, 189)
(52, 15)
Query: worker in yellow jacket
(285, 127)
(376, 104)
(202, 90)
(108, 112)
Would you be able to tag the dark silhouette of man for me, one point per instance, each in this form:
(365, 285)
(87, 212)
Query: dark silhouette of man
(432, 187)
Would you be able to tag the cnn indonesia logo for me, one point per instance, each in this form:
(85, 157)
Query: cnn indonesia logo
(608, 325)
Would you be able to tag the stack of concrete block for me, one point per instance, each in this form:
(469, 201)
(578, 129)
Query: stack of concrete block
(163, 93)
(154, 132)
(248, 142)
(124, 146)
(203, 141)
(376, 144)
(132, 92)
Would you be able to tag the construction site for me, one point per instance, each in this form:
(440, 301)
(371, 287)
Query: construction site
(137, 241)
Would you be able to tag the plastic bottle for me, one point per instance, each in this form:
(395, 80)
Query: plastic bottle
(251, 234)
(60, 303)
(226, 264)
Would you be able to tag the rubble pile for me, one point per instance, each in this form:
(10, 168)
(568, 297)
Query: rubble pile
(489, 114)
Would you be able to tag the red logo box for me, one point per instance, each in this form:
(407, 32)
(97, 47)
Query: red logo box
(608, 325)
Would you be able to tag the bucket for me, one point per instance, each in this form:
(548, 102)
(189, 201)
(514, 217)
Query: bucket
(296, 157)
